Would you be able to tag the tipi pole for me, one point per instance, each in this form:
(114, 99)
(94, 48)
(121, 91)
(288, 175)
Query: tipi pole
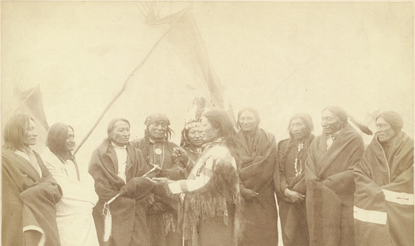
(125, 83)
(31, 93)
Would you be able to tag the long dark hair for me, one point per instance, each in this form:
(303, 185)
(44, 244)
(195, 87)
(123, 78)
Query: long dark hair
(220, 119)
(184, 141)
(14, 131)
(56, 140)
(306, 119)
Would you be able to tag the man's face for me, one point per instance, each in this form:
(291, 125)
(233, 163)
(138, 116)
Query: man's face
(247, 122)
(385, 131)
(298, 129)
(120, 135)
(329, 123)
(30, 134)
(70, 140)
(209, 133)
(158, 129)
(194, 135)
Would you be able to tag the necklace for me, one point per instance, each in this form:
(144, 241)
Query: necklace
(157, 151)
(297, 164)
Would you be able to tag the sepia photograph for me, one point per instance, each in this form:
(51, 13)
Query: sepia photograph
(198, 123)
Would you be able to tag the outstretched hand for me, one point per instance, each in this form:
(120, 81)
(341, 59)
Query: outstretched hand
(180, 155)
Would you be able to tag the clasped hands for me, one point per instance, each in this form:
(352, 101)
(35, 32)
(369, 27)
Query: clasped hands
(179, 155)
(154, 179)
(294, 196)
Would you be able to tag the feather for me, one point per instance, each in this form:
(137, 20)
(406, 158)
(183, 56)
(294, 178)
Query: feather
(196, 110)
(362, 127)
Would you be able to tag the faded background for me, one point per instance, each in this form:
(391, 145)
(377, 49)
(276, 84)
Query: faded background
(278, 57)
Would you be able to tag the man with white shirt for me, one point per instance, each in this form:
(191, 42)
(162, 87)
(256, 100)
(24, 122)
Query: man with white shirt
(117, 167)
(74, 210)
(29, 193)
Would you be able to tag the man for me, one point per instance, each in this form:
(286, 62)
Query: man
(74, 210)
(192, 133)
(384, 196)
(211, 191)
(329, 180)
(117, 167)
(158, 151)
(291, 188)
(257, 153)
(192, 139)
(29, 192)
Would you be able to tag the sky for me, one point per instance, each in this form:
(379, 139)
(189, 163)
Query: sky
(278, 57)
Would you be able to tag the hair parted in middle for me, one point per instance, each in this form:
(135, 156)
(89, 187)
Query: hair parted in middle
(15, 130)
(56, 139)
(306, 119)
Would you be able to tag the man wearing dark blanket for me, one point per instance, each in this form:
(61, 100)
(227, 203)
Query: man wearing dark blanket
(117, 168)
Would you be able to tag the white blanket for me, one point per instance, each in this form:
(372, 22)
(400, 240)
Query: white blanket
(74, 211)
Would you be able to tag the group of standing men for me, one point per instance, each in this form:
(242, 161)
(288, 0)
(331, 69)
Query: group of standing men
(217, 188)
(344, 193)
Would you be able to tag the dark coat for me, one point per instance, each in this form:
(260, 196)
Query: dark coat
(27, 200)
(330, 188)
(292, 215)
(170, 169)
(257, 165)
(128, 211)
(162, 214)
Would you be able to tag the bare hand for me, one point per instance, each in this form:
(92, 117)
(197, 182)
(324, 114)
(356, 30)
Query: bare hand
(180, 154)
(294, 196)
